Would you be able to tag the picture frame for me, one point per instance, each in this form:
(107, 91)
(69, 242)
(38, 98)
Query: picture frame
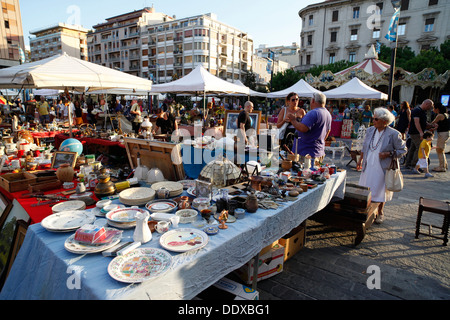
(230, 121)
(203, 189)
(14, 222)
(61, 157)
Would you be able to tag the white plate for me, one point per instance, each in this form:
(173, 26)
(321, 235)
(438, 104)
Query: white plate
(184, 239)
(136, 196)
(69, 206)
(74, 246)
(140, 265)
(67, 221)
(124, 215)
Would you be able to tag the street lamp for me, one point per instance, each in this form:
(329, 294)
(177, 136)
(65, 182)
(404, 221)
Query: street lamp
(396, 4)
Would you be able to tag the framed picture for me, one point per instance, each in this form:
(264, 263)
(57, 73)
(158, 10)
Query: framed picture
(14, 222)
(61, 157)
(231, 117)
(203, 189)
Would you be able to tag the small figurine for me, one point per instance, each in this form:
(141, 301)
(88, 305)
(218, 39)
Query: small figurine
(222, 219)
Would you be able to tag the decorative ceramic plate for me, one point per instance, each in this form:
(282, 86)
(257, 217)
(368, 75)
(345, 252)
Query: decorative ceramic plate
(187, 215)
(69, 206)
(122, 225)
(140, 265)
(67, 221)
(136, 196)
(187, 184)
(184, 239)
(165, 206)
(77, 247)
(124, 215)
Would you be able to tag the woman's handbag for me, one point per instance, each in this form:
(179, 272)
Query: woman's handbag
(282, 130)
(394, 177)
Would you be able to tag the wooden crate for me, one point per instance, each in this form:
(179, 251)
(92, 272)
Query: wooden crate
(357, 196)
(14, 182)
(155, 154)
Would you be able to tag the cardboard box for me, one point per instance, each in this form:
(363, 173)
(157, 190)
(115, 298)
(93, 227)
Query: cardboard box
(294, 241)
(226, 289)
(14, 182)
(270, 264)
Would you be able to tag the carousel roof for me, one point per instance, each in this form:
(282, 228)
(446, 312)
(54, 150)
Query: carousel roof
(371, 64)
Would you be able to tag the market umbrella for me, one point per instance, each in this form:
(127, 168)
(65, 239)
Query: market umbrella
(355, 89)
(302, 88)
(3, 100)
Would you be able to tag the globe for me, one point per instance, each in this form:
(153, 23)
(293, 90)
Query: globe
(71, 145)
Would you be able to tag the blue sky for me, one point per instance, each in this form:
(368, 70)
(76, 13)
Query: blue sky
(274, 22)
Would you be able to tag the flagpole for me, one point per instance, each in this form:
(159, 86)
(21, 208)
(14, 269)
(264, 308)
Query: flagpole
(396, 4)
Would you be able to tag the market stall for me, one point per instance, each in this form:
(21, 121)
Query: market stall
(44, 263)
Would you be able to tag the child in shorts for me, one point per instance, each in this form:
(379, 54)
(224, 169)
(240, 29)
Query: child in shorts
(424, 153)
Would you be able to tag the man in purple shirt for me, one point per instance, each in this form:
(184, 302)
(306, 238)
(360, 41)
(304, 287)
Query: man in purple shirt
(313, 129)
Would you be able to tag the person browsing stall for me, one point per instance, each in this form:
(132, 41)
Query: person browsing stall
(292, 101)
(417, 127)
(313, 129)
(244, 122)
(166, 121)
(381, 144)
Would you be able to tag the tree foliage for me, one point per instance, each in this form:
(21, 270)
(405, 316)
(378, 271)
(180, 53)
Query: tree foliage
(333, 67)
(409, 61)
(286, 79)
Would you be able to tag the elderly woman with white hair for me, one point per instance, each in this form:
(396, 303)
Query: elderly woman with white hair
(381, 144)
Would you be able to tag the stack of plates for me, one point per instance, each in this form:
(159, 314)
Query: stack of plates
(77, 247)
(124, 218)
(137, 196)
(164, 206)
(69, 206)
(175, 188)
(67, 221)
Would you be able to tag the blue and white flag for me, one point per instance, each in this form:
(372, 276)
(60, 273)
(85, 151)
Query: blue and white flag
(378, 47)
(392, 33)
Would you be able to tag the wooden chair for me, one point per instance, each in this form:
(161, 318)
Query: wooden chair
(438, 207)
(353, 154)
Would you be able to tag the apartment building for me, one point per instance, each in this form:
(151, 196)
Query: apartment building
(288, 54)
(121, 42)
(177, 47)
(11, 40)
(57, 39)
(337, 30)
(262, 69)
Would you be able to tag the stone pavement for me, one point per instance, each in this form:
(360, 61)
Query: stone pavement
(330, 267)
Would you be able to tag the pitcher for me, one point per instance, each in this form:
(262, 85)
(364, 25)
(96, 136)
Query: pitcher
(142, 232)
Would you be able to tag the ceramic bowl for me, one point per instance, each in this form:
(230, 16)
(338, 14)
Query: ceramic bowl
(162, 205)
(187, 215)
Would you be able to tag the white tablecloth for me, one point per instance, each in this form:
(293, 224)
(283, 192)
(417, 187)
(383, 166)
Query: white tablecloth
(43, 269)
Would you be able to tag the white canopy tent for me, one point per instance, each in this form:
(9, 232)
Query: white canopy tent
(251, 92)
(355, 89)
(302, 88)
(199, 81)
(62, 71)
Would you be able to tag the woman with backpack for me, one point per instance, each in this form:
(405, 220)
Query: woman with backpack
(442, 125)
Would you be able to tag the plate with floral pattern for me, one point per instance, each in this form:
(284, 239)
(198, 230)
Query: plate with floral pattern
(140, 265)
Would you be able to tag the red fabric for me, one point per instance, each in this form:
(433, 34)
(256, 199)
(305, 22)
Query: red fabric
(59, 138)
(37, 214)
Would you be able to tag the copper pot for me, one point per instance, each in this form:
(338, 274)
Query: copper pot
(256, 182)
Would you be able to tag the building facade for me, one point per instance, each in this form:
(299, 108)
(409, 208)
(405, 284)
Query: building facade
(336, 30)
(11, 41)
(177, 47)
(288, 54)
(121, 42)
(263, 69)
(58, 39)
